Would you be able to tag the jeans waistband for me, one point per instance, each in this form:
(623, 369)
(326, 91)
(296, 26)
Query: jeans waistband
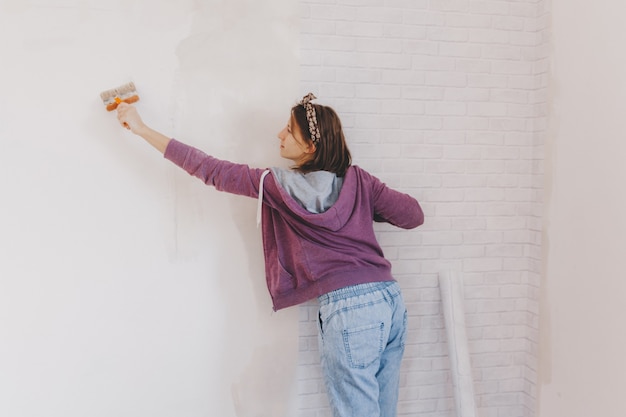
(357, 290)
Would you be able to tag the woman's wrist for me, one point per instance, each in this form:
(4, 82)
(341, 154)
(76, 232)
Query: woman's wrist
(154, 138)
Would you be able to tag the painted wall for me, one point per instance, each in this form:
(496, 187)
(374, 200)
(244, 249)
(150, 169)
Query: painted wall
(128, 288)
(582, 367)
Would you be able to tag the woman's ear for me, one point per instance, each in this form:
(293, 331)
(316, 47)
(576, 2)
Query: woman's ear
(311, 148)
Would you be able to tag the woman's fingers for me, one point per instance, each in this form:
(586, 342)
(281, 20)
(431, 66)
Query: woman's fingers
(127, 115)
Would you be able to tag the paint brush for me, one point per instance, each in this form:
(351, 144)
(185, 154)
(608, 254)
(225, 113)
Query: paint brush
(126, 93)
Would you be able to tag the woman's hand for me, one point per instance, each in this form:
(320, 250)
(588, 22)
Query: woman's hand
(129, 118)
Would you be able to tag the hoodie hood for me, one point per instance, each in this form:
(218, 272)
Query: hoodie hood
(314, 191)
(311, 197)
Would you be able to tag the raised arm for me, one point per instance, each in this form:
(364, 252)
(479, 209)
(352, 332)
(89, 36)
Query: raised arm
(223, 175)
(129, 118)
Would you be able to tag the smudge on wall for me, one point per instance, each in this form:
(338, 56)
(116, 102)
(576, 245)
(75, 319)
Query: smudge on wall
(126, 286)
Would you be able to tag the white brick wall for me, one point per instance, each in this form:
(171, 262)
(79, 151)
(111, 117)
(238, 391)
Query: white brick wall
(445, 100)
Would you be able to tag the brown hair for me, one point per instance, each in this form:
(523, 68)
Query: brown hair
(331, 153)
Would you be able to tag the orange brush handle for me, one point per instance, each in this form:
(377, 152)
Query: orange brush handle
(129, 100)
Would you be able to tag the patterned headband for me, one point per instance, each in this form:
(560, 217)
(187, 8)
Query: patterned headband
(311, 117)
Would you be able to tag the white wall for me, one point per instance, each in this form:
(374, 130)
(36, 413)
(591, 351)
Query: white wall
(128, 288)
(582, 367)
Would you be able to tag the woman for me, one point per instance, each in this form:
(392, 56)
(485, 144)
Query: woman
(319, 242)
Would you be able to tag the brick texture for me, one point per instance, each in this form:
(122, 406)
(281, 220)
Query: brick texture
(445, 100)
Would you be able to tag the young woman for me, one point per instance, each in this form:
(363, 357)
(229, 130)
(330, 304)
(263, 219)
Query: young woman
(319, 242)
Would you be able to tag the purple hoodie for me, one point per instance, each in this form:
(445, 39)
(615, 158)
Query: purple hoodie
(310, 254)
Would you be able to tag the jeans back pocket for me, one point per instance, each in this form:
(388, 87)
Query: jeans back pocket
(364, 344)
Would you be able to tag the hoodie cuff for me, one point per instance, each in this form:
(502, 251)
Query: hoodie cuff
(176, 152)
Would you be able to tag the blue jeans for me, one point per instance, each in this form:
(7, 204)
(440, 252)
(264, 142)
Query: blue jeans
(362, 331)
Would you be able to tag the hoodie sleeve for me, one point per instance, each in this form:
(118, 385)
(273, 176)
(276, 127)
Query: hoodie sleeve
(223, 175)
(394, 207)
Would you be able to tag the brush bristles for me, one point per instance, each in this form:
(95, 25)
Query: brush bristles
(123, 91)
(126, 93)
